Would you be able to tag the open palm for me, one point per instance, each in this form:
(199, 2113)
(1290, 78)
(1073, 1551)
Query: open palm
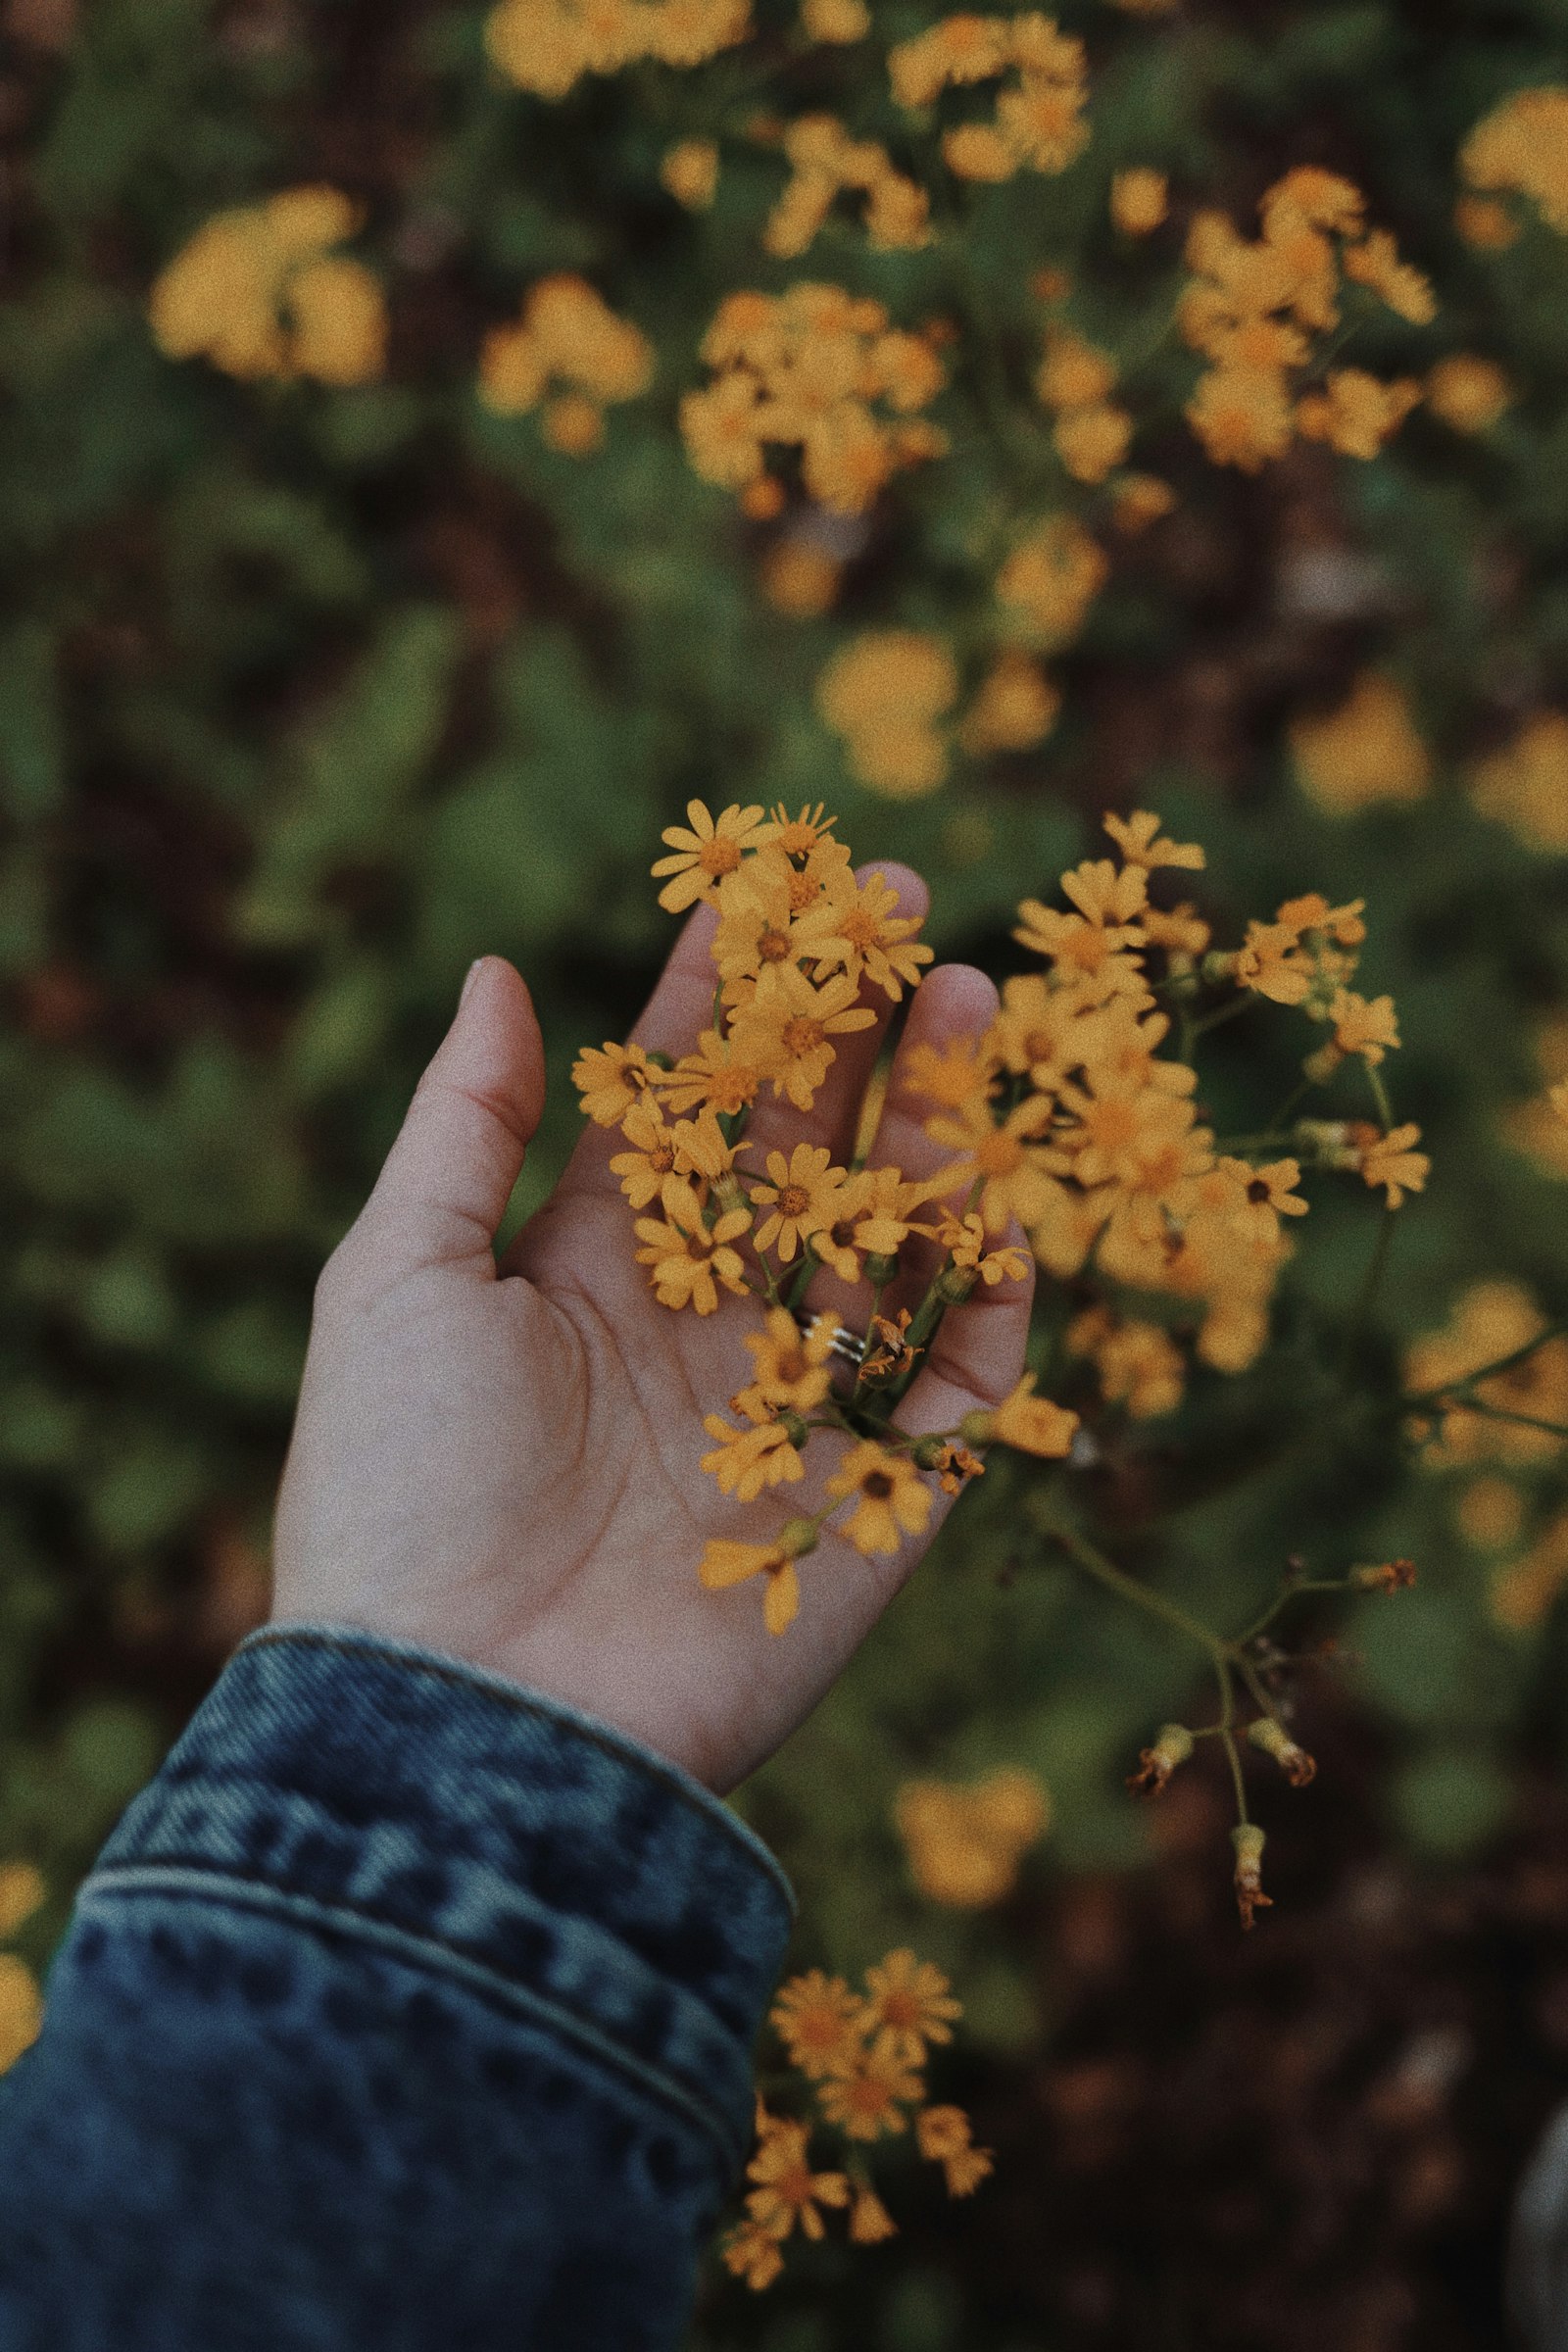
(504, 1463)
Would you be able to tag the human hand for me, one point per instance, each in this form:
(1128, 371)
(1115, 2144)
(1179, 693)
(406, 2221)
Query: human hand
(503, 1463)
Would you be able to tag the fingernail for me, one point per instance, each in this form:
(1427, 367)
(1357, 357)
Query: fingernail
(468, 985)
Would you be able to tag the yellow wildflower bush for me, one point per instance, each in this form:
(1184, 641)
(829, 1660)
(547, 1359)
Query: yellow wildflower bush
(1522, 149)
(547, 46)
(569, 351)
(1525, 785)
(964, 1843)
(1367, 752)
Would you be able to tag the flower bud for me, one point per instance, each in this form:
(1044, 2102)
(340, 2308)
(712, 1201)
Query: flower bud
(929, 1453)
(1217, 965)
(1270, 1735)
(658, 1061)
(1172, 1746)
(1320, 1066)
(979, 1428)
(953, 1285)
(880, 1269)
(796, 1537)
(1389, 1576)
(1249, 1843)
(799, 1434)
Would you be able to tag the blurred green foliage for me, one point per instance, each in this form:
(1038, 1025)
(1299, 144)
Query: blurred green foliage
(309, 695)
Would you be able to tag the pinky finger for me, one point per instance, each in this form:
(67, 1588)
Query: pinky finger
(976, 1359)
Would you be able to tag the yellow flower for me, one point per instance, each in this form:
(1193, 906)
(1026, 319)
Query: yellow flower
(1486, 224)
(804, 1197)
(1139, 1364)
(1093, 442)
(1390, 1161)
(801, 578)
(566, 336)
(789, 1367)
(706, 853)
(1366, 752)
(1139, 500)
(790, 2190)
(690, 171)
(869, 2218)
(745, 1461)
(955, 1074)
(724, 1563)
(964, 1844)
(752, 2253)
(1141, 843)
(836, 20)
(1032, 1424)
(547, 45)
(1358, 413)
(1074, 373)
(965, 1241)
(257, 293)
(893, 1501)
(1525, 786)
(859, 934)
(867, 2099)
(20, 2010)
(908, 2003)
(1468, 393)
(1014, 707)
(798, 836)
(788, 1027)
(1052, 579)
(820, 2022)
(1376, 264)
(1140, 200)
(1522, 146)
(942, 2135)
(1242, 415)
(1004, 1158)
(1361, 1027)
(885, 693)
(22, 1893)
(713, 1078)
(610, 1080)
(652, 1157)
(1273, 964)
(686, 1256)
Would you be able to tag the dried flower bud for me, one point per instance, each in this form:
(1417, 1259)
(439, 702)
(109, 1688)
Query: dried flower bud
(1248, 1842)
(1389, 1576)
(953, 1285)
(1270, 1735)
(1156, 1764)
(1321, 1065)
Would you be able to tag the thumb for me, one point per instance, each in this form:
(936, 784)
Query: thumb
(449, 1176)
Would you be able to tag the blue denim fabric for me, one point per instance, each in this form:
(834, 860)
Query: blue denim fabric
(405, 2010)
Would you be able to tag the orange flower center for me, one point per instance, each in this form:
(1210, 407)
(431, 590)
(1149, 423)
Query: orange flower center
(876, 1485)
(720, 855)
(860, 929)
(730, 1090)
(662, 1159)
(802, 1035)
(998, 1154)
(794, 1201)
(902, 2009)
(773, 946)
(865, 2096)
(793, 2188)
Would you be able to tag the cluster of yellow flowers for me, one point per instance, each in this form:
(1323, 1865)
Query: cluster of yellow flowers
(1497, 1376)
(805, 370)
(888, 694)
(964, 1844)
(1525, 785)
(1252, 308)
(260, 292)
(1075, 380)
(824, 160)
(21, 1891)
(1039, 123)
(1071, 1122)
(1366, 752)
(570, 351)
(1064, 1121)
(1522, 148)
(861, 2055)
(799, 943)
(547, 46)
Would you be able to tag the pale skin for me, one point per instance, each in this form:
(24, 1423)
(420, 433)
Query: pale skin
(502, 1462)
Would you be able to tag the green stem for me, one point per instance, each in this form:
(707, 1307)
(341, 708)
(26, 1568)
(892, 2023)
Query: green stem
(1491, 1371)
(1367, 1298)
(1141, 1596)
(1499, 1412)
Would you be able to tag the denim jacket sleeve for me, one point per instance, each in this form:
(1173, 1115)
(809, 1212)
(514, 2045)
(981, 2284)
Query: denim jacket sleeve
(405, 2010)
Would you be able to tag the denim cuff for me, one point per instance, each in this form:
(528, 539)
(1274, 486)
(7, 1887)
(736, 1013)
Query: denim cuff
(385, 1794)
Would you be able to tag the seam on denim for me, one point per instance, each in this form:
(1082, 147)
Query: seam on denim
(418, 1951)
(523, 1701)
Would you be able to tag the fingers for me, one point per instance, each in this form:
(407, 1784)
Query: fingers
(976, 1359)
(682, 1006)
(775, 1124)
(449, 1176)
